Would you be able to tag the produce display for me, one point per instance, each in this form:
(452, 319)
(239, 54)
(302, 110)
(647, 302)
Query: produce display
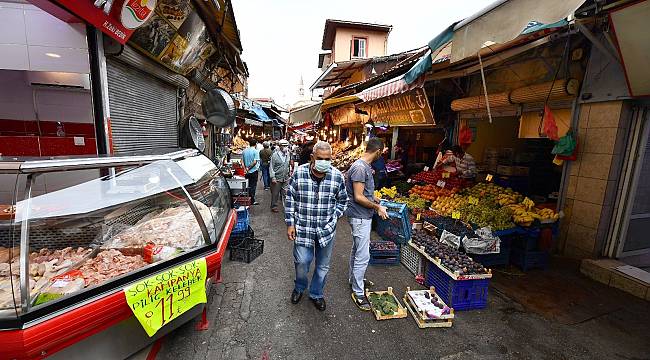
(339, 147)
(382, 245)
(344, 160)
(403, 187)
(483, 215)
(386, 193)
(431, 192)
(385, 303)
(494, 194)
(428, 303)
(445, 205)
(412, 202)
(432, 177)
(524, 215)
(238, 144)
(449, 258)
(455, 227)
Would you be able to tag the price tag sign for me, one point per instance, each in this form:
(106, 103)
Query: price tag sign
(408, 181)
(417, 217)
(426, 168)
(440, 183)
(445, 175)
(472, 200)
(488, 177)
(455, 215)
(158, 300)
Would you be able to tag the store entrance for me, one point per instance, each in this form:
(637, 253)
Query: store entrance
(634, 246)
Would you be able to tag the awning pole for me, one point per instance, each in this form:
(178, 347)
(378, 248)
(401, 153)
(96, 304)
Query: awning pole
(487, 101)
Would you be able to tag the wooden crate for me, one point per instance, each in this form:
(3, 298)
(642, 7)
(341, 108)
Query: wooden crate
(421, 318)
(399, 314)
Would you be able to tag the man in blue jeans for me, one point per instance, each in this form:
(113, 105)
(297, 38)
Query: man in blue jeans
(360, 186)
(315, 200)
(251, 160)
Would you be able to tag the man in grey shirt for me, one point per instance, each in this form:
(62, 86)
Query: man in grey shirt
(362, 205)
(280, 170)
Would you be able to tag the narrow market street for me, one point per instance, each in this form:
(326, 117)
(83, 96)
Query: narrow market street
(251, 317)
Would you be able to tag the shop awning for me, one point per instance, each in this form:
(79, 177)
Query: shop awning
(505, 20)
(306, 114)
(333, 102)
(260, 113)
(388, 88)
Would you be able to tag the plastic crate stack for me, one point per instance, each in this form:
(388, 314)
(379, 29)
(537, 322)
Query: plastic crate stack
(384, 253)
(525, 252)
(412, 260)
(460, 294)
(243, 244)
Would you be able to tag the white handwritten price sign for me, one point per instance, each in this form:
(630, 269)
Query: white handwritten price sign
(426, 168)
(440, 183)
(159, 299)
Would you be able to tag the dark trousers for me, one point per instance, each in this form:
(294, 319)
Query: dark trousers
(252, 184)
(266, 175)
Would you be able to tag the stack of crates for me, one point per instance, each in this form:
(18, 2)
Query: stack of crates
(397, 227)
(460, 294)
(525, 252)
(384, 253)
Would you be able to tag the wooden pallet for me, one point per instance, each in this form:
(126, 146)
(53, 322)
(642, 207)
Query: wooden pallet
(421, 319)
(399, 314)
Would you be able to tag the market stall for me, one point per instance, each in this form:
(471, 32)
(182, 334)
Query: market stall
(116, 258)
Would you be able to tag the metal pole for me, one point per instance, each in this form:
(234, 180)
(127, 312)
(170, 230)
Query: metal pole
(24, 244)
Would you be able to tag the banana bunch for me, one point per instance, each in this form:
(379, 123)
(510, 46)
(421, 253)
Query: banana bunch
(507, 199)
(521, 215)
(377, 194)
(388, 192)
(548, 214)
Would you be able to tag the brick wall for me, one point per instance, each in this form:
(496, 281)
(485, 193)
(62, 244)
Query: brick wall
(591, 188)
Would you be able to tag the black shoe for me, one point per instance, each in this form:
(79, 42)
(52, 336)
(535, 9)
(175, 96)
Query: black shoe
(319, 304)
(295, 297)
(367, 283)
(361, 302)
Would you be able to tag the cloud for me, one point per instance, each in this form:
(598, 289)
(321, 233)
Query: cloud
(282, 38)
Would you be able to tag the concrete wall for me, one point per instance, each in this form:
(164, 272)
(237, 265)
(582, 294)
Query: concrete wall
(591, 188)
(377, 43)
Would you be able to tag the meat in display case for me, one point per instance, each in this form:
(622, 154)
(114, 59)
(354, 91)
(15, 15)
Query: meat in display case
(79, 236)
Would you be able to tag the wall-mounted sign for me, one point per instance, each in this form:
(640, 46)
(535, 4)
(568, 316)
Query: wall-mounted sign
(136, 12)
(174, 36)
(408, 109)
(105, 15)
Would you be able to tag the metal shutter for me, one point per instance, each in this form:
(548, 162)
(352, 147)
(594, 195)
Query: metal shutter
(143, 110)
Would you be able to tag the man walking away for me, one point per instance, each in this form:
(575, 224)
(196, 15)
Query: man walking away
(280, 170)
(265, 157)
(362, 204)
(316, 198)
(251, 159)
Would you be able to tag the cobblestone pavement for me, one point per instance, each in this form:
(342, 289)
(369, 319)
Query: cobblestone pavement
(251, 318)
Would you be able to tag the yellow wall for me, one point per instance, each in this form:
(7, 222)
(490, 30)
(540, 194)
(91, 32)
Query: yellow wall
(377, 42)
(502, 133)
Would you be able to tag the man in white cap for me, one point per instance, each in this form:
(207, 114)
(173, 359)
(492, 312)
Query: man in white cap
(280, 170)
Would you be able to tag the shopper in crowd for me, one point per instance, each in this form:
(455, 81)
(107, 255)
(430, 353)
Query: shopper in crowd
(265, 157)
(251, 159)
(280, 170)
(316, 198)
(362, 205)
(306, 152)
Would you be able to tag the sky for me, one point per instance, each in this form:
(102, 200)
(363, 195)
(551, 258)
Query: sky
(281, 39)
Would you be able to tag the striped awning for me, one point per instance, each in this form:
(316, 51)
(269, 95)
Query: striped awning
(389, 88)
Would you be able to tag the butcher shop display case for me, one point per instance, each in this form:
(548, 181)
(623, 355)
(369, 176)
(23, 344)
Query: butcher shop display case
(79, 236)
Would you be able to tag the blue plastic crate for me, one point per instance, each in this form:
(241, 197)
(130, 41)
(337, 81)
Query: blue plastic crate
(397, 227)
(385, 257)
(502, 258)
(458, 294)
(527, 260)
(527, 240)
(242, 221)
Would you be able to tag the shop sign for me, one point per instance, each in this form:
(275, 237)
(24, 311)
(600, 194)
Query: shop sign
(158, 300)
(106, 15)
(346, 114)
(136, 12)
(408, 109)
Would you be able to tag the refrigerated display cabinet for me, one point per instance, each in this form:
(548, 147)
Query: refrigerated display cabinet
(72, 237)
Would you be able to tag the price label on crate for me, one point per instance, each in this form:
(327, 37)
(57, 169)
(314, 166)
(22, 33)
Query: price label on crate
(426, 168)
(455, 215)
(472, 200)
(158, 300)
(488, 177)
(445, 175)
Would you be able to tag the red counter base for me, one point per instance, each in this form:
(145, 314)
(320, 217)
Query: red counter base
(60, 332)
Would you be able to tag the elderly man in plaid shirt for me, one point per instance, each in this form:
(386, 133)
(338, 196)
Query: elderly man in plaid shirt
(316, 198)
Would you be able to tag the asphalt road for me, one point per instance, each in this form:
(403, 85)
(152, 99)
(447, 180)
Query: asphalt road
(251, 318)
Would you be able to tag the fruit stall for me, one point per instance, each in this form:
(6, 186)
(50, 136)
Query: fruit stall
(118, 257)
